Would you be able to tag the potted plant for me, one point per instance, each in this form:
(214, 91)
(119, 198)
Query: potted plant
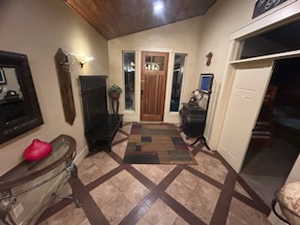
(115, 91)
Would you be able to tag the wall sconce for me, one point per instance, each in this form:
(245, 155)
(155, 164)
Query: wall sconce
(81, 59)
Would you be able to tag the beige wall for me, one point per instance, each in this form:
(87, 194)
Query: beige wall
(242, 17)
(222, 20)
(197, 37)
(182, 37)
(38, 28)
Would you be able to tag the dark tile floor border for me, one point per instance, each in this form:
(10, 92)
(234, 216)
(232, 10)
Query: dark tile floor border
(124, 132)
(104, 178)
(223, 205)
(180, 210)
(205, 177)
(140, 177)
(219, 217)
(140, 209)
(119, 141)
(258, 203)
(159, 192)
(54, 209)
(87, 203)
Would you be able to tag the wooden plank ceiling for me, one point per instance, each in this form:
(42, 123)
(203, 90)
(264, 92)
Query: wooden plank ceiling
(115, 18)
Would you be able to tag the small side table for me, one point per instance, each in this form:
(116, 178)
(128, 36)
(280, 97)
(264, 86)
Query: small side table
(29, 189)
(193, 121)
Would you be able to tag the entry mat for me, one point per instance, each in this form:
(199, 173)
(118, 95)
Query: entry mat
(157, 144)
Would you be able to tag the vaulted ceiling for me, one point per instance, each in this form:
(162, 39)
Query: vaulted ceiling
(115, 18)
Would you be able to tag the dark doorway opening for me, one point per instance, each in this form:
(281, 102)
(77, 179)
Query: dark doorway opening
(275, 142)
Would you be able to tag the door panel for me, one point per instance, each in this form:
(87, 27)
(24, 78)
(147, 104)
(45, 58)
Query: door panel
(244, 105)
(153, 85)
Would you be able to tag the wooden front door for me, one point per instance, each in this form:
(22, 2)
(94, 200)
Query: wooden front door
(153, 85)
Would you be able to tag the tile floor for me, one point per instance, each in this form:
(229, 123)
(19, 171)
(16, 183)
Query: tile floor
(111, 192)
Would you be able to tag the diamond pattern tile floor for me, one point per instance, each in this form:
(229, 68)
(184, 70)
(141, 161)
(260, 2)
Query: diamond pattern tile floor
(70, 215)
(95, 166)
(195, 194)
(118, 196)
(157, 194)
(160, 214)
(238, 187)
(203, 200)
(154, 172)
(130, 186)
(211, 167)
(180, 190)
(242, 214)
(120, 148)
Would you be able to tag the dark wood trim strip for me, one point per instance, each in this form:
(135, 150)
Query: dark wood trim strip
(104, 178)
(124, 132)
(87, 203)
(119, 141)
(260, 204)
(181, 210)
(54, 209)
(115, 157)
(140, 177)
(241, 196)
(223, 205)
(157, 191)
(163, 185)
(249, 202)
(205, 177)
(140, 210)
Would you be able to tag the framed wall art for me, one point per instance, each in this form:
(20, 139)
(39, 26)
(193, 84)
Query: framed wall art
(2, 76)
(263, 6)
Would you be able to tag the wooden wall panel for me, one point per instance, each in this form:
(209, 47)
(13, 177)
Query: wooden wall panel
(114, 18)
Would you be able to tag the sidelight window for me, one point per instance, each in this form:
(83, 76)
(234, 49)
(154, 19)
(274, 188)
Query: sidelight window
(129, 79)
(178, 70)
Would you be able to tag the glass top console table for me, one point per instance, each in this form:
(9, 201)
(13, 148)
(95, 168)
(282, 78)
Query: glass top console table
(30, 188)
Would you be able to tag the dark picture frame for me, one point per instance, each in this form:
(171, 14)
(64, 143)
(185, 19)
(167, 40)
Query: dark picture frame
(32, 116)
(3, 80)
(262, 6)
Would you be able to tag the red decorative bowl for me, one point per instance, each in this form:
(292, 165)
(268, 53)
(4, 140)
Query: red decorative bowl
(37, 151)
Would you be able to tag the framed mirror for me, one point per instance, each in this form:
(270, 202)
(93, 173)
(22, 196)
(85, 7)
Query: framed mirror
(19, 107)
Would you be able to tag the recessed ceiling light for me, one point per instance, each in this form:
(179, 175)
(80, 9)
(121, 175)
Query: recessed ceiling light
(158, 7)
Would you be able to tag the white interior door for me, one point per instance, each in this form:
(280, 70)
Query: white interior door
(249, 87)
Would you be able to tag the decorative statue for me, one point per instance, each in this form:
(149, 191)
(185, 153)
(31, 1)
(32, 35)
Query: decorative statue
(196, 97)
